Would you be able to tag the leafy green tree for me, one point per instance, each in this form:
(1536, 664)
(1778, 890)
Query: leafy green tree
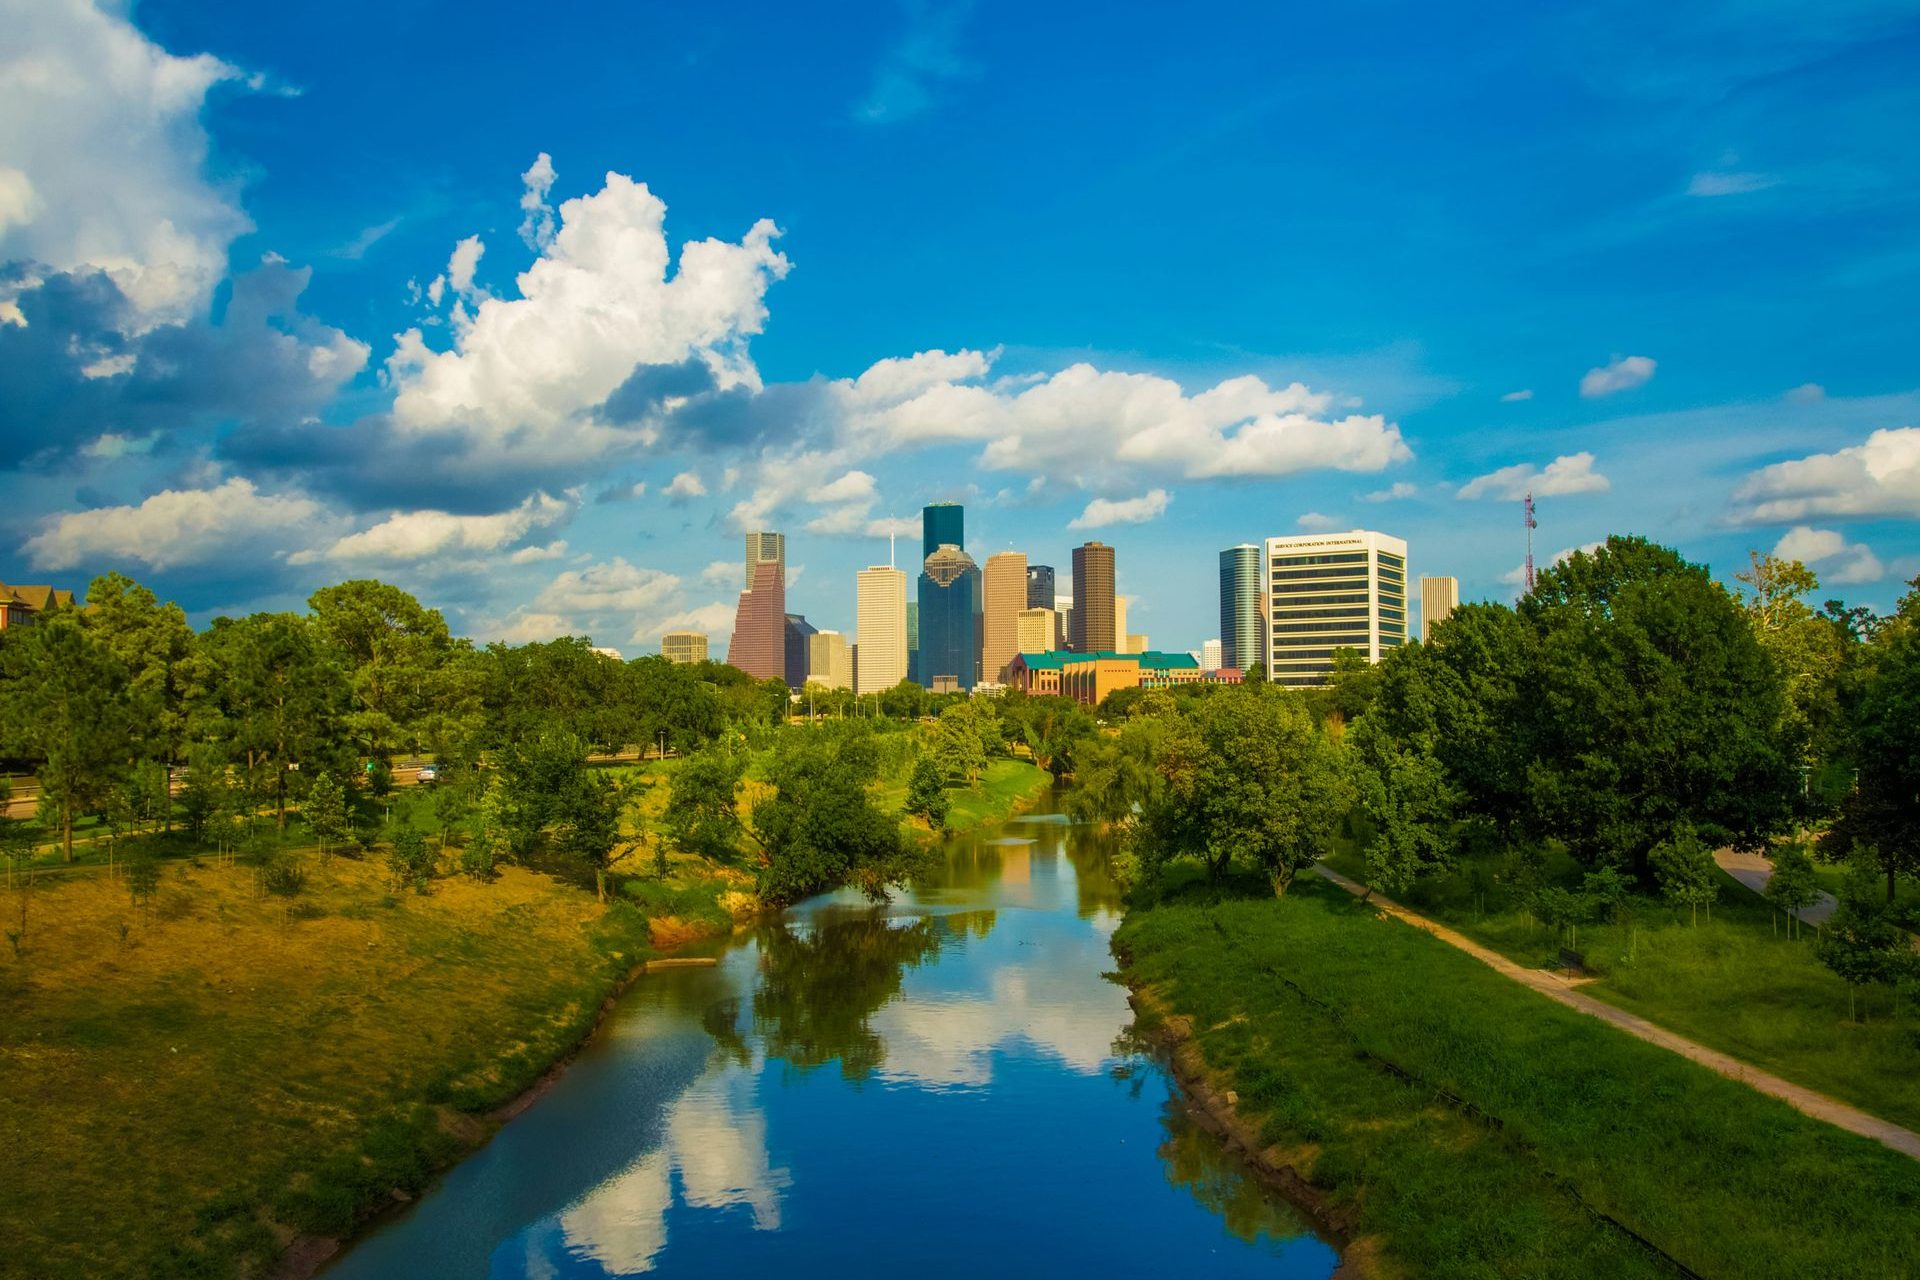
(150, 794)
(1792, 887)
(587, 826)
(1651, 704)
(540, 774)
(1882, 812)
(959, 740)
(700, 816)
(1251, 778)
(927, 793)
(1861, 942)
(392, 649)
(1685, 871)
(820, 828)
(1561, 910)
(409, 860)
(1607, 891)
(152, 642)
(1054, 730)
(327, 814)
(1116, 776)
(65, 702)
(1409, 802)
(143, 877)
(284, 879)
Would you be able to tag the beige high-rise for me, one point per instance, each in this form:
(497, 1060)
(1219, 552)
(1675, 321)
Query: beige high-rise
(1038, 631)
(1438, 598)
(1004, 588)
(880, 628)
(1093, 629)
(829, 663)
(683, 646)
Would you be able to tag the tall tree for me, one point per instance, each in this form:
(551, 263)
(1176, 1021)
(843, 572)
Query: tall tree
(819, 828)
(392, 649)
(65, 702)
(277, 700)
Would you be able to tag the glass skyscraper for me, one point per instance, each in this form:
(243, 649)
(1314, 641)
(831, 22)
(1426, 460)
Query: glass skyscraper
(1039, 586)
(943, 524)
(950, 618)
(1240, 614)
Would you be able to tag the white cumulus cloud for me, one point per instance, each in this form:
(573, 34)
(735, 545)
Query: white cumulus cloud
(1393, 493)
(687, 484)
(230, 522)
(1569, 473)
(1623, 373)
(418, 535)
(1826, 551)
(1880, 477)
(1104, 511)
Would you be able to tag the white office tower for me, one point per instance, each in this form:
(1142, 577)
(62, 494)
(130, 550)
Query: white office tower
(880, 628)
(829, 660)
(1331, 591)
(1209, 655)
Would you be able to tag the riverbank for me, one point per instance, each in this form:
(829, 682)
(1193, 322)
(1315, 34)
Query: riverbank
(1456, 1125)
(205, 1086)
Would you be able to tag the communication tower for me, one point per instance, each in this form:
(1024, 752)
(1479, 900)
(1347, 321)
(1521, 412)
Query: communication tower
(1531, 525)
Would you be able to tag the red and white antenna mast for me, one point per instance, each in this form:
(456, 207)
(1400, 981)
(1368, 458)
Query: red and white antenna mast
(1531, 525)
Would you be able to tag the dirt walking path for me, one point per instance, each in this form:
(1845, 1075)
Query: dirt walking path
(1554, 987)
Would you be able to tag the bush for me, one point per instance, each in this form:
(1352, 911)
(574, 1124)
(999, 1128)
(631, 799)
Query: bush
(409, 861)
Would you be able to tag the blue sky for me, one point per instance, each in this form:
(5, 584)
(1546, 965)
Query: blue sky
(1171, 280)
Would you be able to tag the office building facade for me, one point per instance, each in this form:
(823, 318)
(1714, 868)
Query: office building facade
(1210, 656)
(950, 619)
(1093, 604)
(880, 628)
(766, 548)
(1038, 631)
(799, 632)
(758, 646)
(1241, 618)
(1040, 587)
(829, 661)
(1003, 587)
(683, 646)
(942, 524)
(1438, 598)
(1329, 592)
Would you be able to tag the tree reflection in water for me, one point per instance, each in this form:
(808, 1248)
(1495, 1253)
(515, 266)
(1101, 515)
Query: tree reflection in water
(821, 982)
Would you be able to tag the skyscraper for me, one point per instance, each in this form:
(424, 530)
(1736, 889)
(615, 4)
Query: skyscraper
(1333, 591)
(794, 662)
(1004, 586)
(942, 524)
(758, 646)
(683, 646)
(1241, 618)
(1039, 586)
(766, 548)
(950, 618)
(828, 661)
(880, 628)
(1038, 631)
(1210, 656)
(1438, 598)
(1120, 624)
(1093, 630)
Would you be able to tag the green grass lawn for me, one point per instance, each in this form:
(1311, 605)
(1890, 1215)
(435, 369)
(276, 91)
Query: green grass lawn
(1347, 1035)
(183, 1088)
(1736, 983)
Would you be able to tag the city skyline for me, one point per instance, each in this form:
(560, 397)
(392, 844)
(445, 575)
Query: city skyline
(240, 367)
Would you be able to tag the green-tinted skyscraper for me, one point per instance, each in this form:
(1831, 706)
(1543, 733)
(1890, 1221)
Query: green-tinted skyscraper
(1240, 619)
(943, 524)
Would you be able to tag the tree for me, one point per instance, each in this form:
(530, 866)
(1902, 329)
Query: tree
(1860, 941)
(587, 825)
(1650, 703)
(392, 649)
(409, 860)
(1408, 799)
(326, 812)
(1251, 778)
(1561, 910)
(927, 793)
(283, 878)
(820, 828)
(143, 877)
(64, 699)
(959, 741)
(1882, 812)
(152, 642)
(1685, 871)
(1792, 887)
(700, 816)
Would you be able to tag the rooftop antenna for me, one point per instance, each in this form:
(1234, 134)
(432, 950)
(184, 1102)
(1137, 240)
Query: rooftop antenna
(1531, 525)
(892, 533)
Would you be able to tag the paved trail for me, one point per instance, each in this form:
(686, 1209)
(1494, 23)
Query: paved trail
(1554, 987)
(1755, 869)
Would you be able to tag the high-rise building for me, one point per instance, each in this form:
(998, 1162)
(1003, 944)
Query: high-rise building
(1241, 618)
(794, 665)
(1438, 598)
(943, 524)
(1063, 620)
(1136, 642)
(913, 639)
(1038, 631)
(1004, 597)
(1333, 591)
(1120, 624)
(950, 618)
(880, 628)
(828, 661)
(1093, 611)
(766, 548)
(1210, 659)
(683, 646)
(759, 643)
(1039, 586)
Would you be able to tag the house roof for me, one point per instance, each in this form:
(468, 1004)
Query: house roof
(37, 598)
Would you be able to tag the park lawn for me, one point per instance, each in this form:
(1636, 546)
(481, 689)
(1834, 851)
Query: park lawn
(1345, 1034)
(1736, 983)
(223, 1075)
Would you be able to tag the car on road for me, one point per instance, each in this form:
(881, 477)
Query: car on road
(429, 773)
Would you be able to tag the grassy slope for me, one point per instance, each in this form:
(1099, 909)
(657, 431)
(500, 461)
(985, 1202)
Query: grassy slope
(1731, 1183)
(223, 1063)
(1733, 983)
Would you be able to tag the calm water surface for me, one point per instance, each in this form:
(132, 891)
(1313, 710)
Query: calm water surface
(936, 1087)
